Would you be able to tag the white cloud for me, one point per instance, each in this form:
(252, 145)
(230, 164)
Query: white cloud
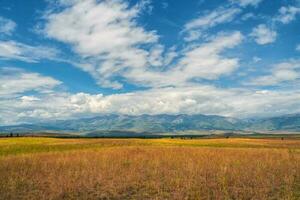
(245, 3)
(19, 51)
(210, 19)
(263, 35)
(204, 61)
(16, 106)
(193, 35)
(14, 81)
(287, 14)
(188, 100)
(145, 6)
(218, 16)
(155, 53)
(283, 72)
(112, 45)
(104, 32)
(298, 47)
(7, 26)
(29, 98)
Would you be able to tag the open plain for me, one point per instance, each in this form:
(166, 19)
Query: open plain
(234, 168)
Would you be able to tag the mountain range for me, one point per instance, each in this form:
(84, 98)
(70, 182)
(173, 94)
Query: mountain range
(161, 124)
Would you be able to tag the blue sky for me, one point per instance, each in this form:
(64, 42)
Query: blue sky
(71, 58)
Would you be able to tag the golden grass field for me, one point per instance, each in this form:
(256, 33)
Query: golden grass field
(49, 168)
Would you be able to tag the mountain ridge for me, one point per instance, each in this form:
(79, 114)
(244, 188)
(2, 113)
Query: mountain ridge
(161, 123)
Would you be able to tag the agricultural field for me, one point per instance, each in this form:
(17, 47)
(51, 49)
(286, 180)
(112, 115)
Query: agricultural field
(234, 168)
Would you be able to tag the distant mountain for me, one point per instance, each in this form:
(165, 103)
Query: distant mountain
(284, 123)
(148, 123)
(159, 124)
(140, 123)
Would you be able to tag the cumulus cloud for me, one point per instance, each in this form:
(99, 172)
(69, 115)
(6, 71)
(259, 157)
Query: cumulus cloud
(7, 26)
(112, 45)
(221, 15)
(11, 50)
(263, 35)
(190, 100)
(98, 28)
(204, 61)
(106, 33)
(287, 14)
(18, 103)
(15, 103)
(282, 72)
(14, 81)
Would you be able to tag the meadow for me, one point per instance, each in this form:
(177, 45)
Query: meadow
(234, 168)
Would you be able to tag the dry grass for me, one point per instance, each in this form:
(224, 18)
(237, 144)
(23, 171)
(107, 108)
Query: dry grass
(149, 169)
